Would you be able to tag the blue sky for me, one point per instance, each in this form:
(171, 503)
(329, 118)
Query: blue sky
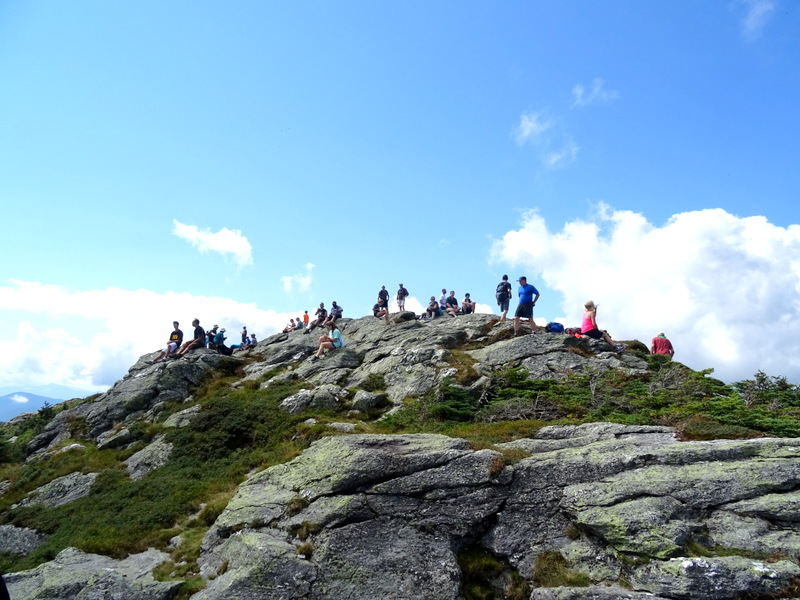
(241, 162)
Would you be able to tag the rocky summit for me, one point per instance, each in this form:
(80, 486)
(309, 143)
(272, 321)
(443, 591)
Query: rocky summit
(440, 460)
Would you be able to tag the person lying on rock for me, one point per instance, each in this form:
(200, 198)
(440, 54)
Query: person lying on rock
(330, 341)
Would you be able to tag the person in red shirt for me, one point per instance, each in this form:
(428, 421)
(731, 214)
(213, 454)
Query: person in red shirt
(661, 345)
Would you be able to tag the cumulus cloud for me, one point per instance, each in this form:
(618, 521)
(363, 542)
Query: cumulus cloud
(756, 15)
(300, 282)
(530, 127)
(93, 344)
(725, 289)
(597, 93)
(228, 242)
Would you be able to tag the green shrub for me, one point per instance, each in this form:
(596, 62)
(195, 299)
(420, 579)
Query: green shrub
(551, 570)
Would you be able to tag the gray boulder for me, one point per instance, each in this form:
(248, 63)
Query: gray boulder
(76, 575)
(60, 491)
(19, 540)
(154, 455)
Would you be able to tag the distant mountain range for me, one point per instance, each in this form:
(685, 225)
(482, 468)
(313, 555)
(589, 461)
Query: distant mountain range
(13, 403)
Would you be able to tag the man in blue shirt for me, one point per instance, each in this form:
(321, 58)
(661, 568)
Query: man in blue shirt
(528, 295)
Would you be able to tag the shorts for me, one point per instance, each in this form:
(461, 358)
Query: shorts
(524, 310)
(503, 304)
(171, 347)
(595, 334)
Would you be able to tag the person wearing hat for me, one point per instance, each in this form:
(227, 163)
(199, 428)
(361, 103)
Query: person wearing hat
(661, 345)
(402, 294)
(175, 340)
(589, 326)
(528, 295)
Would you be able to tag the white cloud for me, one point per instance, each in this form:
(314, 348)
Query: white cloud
(598, 93)
(300, 282)
(101, 333)
(531, 126)
(228, 242)
(756, 16)
(725, 289)
(563, 156)
(19, 398)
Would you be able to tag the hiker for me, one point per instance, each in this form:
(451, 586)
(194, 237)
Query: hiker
(467, 305)
(503, 295)
(219, 343)
(451, 304)
(443, 300)
(661, 345)
(290, 327)
(298, 324)
(402, 294)
(527, 301)
(251, 341)
(305, 320)
(336, 313)
(330, 341)
(384, 295)
(244, 334)
(589, 326)
(380, 310)
(197, 341)
(210, 334)
(319, 317)
(174, 341)
(433, 309)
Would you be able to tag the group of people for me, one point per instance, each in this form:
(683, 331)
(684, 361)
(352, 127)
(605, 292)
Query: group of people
(448, 305)
(214, 339)
(445, 305)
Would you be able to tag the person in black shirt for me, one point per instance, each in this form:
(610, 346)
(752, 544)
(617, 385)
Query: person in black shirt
(174, 342)
(198, 341)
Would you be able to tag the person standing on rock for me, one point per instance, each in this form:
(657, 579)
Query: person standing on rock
(384, 295)
(402, 294)
(198, 341)
(174, 342)
(503, 295)
(527, 301)
(661, 345)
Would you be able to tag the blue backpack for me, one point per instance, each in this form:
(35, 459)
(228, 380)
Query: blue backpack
(554, 328)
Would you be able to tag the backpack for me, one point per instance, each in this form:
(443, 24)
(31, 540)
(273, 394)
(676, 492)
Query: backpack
(503, 290)
(223, 349)
(554, 327)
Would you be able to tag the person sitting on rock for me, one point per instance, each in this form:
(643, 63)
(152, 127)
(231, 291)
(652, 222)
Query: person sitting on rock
(320, 315)
(210, 335)
(298, 324)
(198, 341)
(380, 310)
(467, 305)
(451, 304)
(661, 345)
(174, 341)
(336, 312)
(219, 343)
(589, 326)
(290, 327)
(433, 309)
(330, 341)
(443, 300)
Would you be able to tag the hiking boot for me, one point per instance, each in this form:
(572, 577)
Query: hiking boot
(619, 348)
